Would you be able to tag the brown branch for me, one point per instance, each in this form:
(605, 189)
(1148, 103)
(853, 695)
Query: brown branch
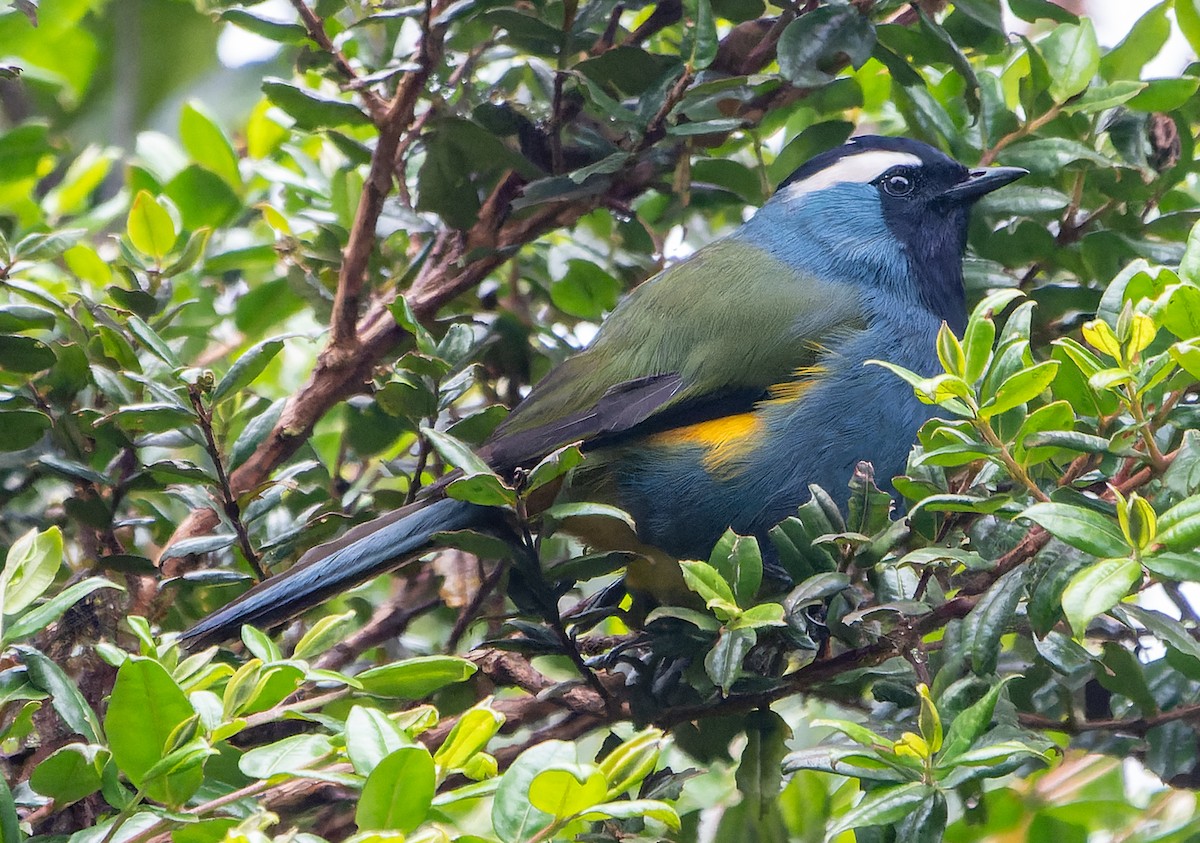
(1022, 131)
(469, 612)
(414, 596)
(316, 33)
(1133, 725)
(666, 13)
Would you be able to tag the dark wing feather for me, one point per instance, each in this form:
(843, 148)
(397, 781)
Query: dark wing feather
(619, 409)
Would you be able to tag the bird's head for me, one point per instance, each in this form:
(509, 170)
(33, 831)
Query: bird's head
(887, 212)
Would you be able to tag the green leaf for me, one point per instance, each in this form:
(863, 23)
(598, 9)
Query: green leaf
(739, 562)
(458, 454)
(252, 363)
(145, 711)
(1185, 354)
(1144, 41)
(1180, 312)
(416, 677)
(150, 228)
(996, 754)
(207, 143)
(1168, 630)
(764, 614)
(85, 174)
(724, 661)
(1082, 528)
(37, 619)
(1120, 671)
(1096, 589)
(288, 756)
(1165, 94)
(564, 511)
(883, 807)
(514, 817)
(398, 793)
(1072, 56)
(29, 569)
(10, 828)
(811, 46)
(697, 619)
(566, 790)
(1180, 567)
(69, 773)
(585, 290)
(322, 635)
(990, 619)
(972, 723)
(552, 467)
(370, 737)
(703, 35)
(927, 823)
(1068, 440)
(859, 734)
(1034, 10)
(483, 489)
(25, 317)
(708, 583)
(475, 727)
(68, 702)
(203, 199)
(1021, 388)
(1049, 156)
(1179, 526)
(150, 339)
(635, 809)
(629, 763)
(1056, 416)
(1103, 97)
(759, 772)
(25, 355)
(1187, 15)
(983, 12)
(284, 33)
(312, 111)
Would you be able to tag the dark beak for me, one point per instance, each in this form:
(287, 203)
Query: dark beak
(983, 181)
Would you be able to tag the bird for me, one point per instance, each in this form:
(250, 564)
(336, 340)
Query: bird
(717, 391)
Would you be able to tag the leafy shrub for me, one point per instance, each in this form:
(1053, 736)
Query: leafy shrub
(219, 348)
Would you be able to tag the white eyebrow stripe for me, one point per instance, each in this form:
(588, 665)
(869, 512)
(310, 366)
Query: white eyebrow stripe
(860, 168)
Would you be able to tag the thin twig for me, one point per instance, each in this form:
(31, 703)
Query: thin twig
(316, 32)
(1024, 130)
(228, 500)
(467, 615)
(1133, 725)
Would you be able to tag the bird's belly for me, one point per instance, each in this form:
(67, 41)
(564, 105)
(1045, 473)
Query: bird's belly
(686, 486)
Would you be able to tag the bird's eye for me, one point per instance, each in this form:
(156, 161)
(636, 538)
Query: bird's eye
(898, 184)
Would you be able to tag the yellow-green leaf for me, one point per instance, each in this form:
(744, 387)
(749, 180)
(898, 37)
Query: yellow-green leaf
(150, 228)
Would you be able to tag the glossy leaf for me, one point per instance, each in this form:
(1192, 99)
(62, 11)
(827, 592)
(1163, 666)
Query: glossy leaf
(29, 569)
(416, 677)
(398, 793)
(1085, 529)
(1096, 589)
(150, 228)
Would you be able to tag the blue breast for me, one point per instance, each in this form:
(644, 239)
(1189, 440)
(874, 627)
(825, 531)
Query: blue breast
(854, 412)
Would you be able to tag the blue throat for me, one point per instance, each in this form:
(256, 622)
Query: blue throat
(840, 235)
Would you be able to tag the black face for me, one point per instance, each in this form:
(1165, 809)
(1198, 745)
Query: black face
(925, 201)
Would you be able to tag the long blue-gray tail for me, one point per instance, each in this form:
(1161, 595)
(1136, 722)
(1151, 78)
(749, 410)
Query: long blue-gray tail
(362, 553)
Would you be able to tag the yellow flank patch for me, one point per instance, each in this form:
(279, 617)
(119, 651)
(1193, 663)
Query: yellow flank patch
(726, 438)
(791, 391)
